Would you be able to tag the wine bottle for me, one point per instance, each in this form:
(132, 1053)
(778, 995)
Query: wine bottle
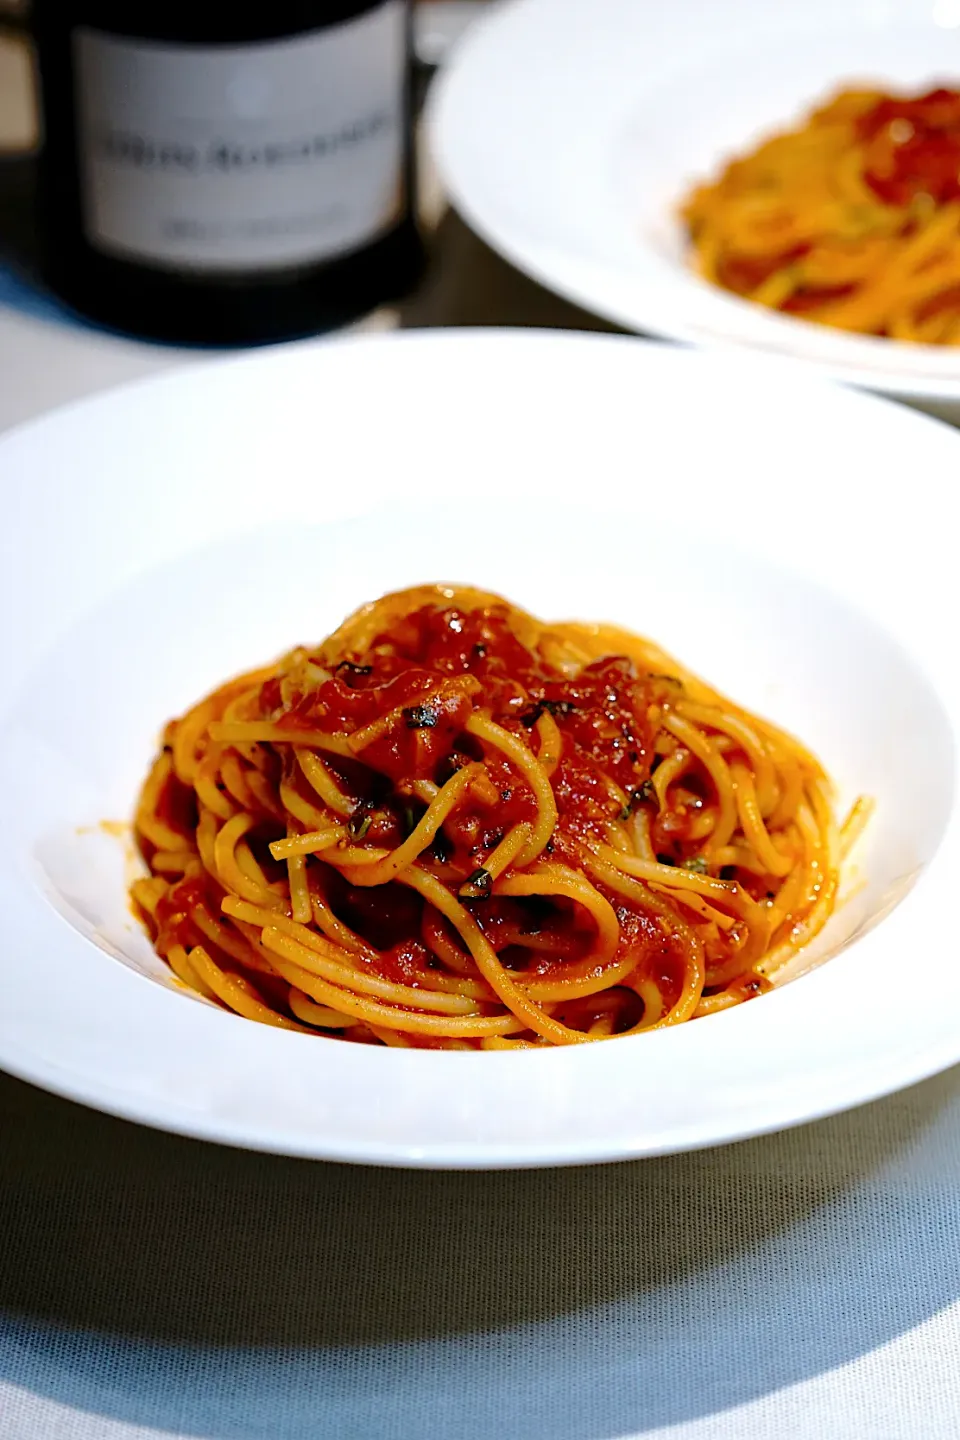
(226, 174)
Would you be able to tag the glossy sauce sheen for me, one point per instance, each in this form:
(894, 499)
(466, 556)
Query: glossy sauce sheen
(914, 148)
(428, 674)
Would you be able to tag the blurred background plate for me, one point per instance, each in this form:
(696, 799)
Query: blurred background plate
(567, 133)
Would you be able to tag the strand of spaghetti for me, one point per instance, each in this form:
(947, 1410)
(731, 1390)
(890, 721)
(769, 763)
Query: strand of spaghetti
(531, 937)
(288, 955)
(259, 757)
(355, 635)
(685, 1005)
(172, 862)
(550, 879)
(392, 1037)
(226, 868)
(551, 743)
(823, 877)
(581, 982)
(338, 970)
(723, 973)
(713, 1004)
(336, 931)
(147, 820)
(639, 830)
(252, 933)
(206, 835)
(420, 838)
(300, 906)
(232, 732)
(607, 1010)
(580, 979)
(249, 865)
(716, 767)
(697, 904)
(228, 940)
(311, 816)
(761, 764)
(669, 770)
(431, 692)
(312, 843)
(524, 760)
(854, 825)
(311, 1013)
(188, 734)
(726, 893)
(774, 861)
(179, 963)
(529, 1015)
(264, 793)
(147, 891)
(238, 993)
(617, 794)
(392, 720)
(497, 1042)
(424, 790)
(190, 730)
(652, 997)
(207, 785)
(233, 777)
(445, 949)
(477, 991)
(797, 893)
(790, 772)
(484, 791)
(674, 925)
(700, 827)
(507, 851)
(617, 836)
(355, 857)
(245, 703)
(562, 653)
(318, 776)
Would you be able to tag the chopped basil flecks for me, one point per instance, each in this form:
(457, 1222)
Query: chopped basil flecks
(637, 797)
(359, 823)
(697, 864)
(551, 707)
(421, 717)
(478, 886)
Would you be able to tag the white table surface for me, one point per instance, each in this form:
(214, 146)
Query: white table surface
(805, 1286)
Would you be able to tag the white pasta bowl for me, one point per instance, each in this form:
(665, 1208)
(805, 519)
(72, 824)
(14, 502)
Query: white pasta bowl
(790, 541)
(568, 134)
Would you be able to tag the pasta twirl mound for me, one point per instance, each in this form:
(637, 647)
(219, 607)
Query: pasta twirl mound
(453, 825)
(851, 220)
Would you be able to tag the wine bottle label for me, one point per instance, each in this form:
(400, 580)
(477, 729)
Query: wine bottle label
(221, 158)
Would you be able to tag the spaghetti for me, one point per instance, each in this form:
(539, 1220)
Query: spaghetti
(851, 220)
(453, 825)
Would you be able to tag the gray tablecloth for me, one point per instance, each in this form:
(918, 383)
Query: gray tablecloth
(806, 1285)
